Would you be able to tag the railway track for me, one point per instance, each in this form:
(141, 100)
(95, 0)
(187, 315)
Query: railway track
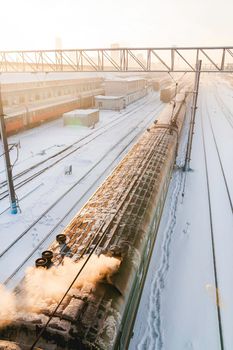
(224, 108)
(212, 238)
(30, 178)
(35, 226)
(50, 125)
(66, 152)
(219, 159)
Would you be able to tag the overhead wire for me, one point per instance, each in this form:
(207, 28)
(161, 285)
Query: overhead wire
(12, 146)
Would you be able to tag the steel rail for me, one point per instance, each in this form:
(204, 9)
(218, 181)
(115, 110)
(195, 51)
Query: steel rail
(61, 197)
(58, 223)
(109, 125)
(219, 159)
(224, 108)
(116, 117)
(212, 240)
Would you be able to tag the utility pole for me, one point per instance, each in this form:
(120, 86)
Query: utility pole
(193, 115)
(7, 160)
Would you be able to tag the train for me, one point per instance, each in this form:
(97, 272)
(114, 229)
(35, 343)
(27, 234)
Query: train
(120, 221)
(169, 90)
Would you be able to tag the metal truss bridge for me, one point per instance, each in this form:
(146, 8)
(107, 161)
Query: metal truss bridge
(173, 59)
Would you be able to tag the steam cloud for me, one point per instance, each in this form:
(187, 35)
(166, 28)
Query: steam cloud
(7, 306)
(42, 287)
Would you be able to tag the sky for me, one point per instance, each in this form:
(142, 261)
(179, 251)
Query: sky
(34, 24)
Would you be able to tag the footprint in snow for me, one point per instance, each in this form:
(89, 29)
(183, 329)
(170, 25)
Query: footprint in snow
(186, 229)
(189, 346)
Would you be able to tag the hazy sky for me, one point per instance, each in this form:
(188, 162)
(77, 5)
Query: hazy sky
(34, 24)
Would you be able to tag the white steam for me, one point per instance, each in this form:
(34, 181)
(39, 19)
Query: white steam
(42, 287)
(7, 306)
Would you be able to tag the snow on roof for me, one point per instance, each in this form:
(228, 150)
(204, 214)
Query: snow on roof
(124, 80)
(81, 111)
(102, 97)
(13, 78)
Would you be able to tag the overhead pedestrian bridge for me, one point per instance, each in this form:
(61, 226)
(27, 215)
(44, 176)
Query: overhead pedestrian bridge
(170, 59)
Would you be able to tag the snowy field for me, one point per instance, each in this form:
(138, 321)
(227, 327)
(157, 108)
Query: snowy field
(187, 300)
(48, 198)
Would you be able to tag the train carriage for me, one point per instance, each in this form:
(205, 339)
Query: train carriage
(119, 221)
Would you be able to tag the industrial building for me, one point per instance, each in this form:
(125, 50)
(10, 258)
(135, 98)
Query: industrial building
(28, 104)
(16, 94)
(120, 92)
(119, 87)
(110, 102)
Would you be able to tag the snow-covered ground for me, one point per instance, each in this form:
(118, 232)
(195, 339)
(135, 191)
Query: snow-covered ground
(48, 198)
(181, 308)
